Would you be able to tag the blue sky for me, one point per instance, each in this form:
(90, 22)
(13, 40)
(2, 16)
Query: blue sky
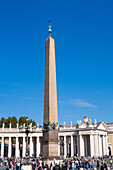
(83, 33)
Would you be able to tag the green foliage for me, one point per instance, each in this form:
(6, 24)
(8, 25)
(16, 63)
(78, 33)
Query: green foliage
(33, 123)
(2, 121)
(6, 123)
(60, 125)
(14, 122)
(22, 120)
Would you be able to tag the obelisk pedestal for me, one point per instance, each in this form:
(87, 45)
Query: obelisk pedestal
(50, 144)
(50, 125)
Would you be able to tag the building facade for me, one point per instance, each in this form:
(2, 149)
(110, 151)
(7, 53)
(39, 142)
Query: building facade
(84, 139)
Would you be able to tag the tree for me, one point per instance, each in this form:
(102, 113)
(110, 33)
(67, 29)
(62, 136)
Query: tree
(7, 122)
(2, 121)
(22, 120)
(33, 123)
(14, 122)
(60, 125)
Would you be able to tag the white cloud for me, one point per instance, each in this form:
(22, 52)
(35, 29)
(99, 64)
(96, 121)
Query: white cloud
(82, 103)
(77, 103)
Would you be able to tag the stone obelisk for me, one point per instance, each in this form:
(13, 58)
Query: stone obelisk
(50, 124)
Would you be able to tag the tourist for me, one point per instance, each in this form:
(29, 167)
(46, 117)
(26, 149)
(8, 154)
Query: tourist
(81, 164)
(50, 165)
(86, 164)
(46, 167)
(89, 164)
(73, 165)
(38, 163)
(39, 168)
(76, 164)
(14, 165)
(54, 161)
(7, 167)
(111, 163)
(17, 166)
(56, 167)
(21, 164)
(34, 165)
(105, 166)
(98, 164)
(10, 164)
(68, 165)
(102, 166)
(64, 167)
(5, 162)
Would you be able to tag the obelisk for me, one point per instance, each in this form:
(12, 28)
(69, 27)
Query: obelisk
(50, 124)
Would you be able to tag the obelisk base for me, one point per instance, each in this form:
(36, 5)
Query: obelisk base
(50, 144)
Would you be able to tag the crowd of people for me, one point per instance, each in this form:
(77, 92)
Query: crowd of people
(74, 164)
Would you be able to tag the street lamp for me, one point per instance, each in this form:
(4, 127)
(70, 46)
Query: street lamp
(26, 129)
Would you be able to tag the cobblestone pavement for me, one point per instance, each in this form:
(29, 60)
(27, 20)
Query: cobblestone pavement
(2, 167)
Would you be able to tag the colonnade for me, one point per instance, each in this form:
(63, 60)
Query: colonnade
(83, 145)
(34, 146)
(69, 145)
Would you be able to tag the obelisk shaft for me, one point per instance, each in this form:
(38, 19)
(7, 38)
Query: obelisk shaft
(50, 91)
(50, 127)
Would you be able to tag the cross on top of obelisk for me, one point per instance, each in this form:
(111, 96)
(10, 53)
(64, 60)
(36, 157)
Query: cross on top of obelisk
(49, 28)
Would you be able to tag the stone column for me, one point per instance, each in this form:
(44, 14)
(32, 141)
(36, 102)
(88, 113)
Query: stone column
(78, 146)
(80, 143)
(9, 148)
(83, 153)
(91, 145)
(24, 147)
(38, 146)
(104, 145)
(85, 144)
(17, 147)
(86, 141)
(96, 151)
(100, 145)
(71, 146)
(31, 146)
(2, 147)
(106, 141)
(65, 147)
(74, 149)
